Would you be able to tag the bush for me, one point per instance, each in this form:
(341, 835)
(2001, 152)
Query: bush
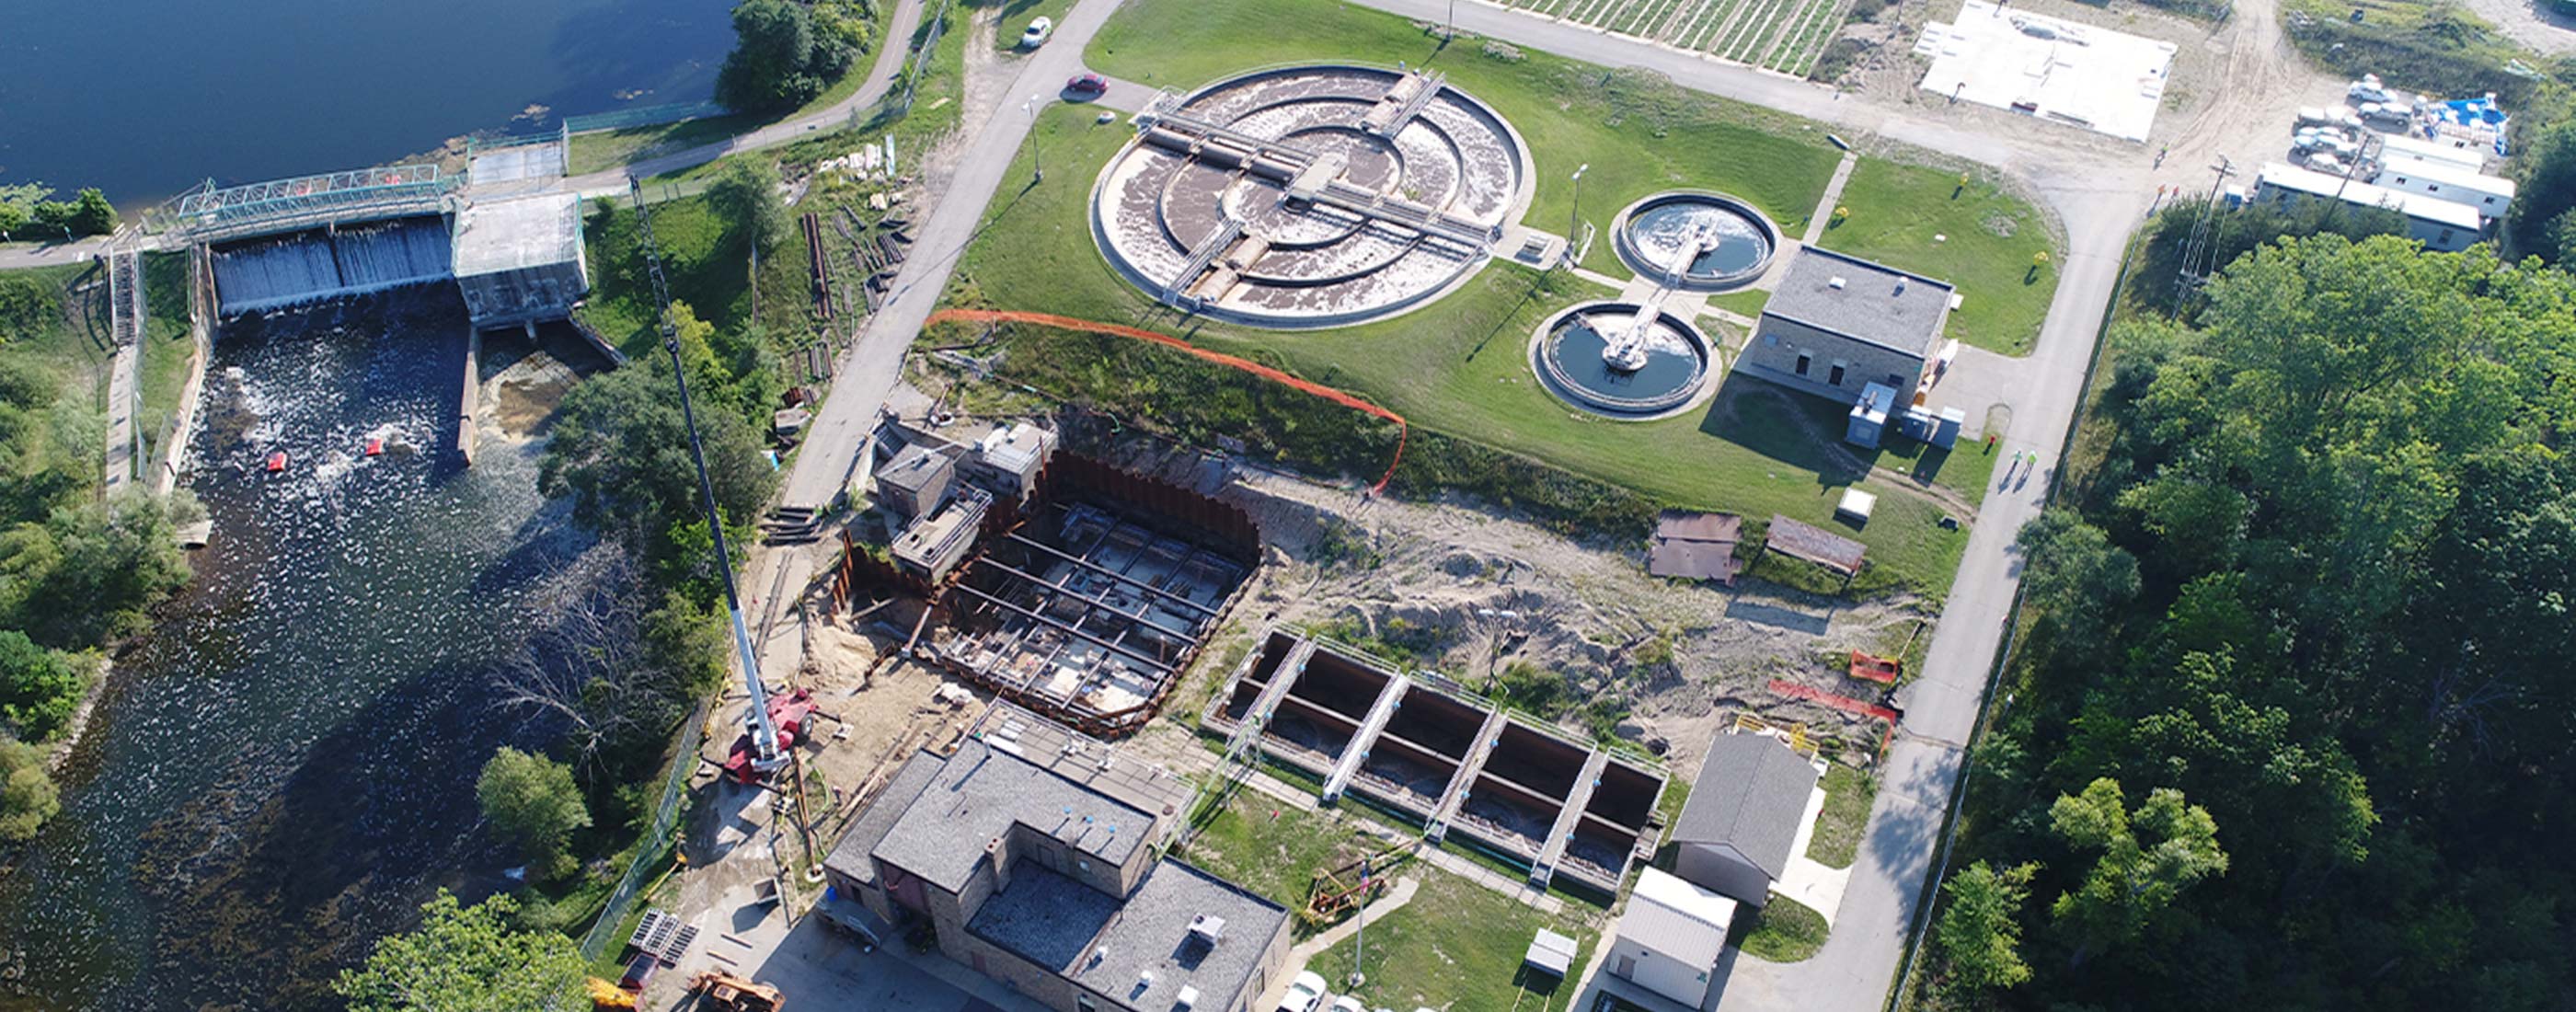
(1839, 57)
(26, 792)
(532, 802)
(779, 60)
(39, 688)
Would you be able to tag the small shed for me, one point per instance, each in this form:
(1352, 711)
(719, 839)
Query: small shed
(1696, 546)
(1736, 833)
(1815, 544)
(1550, 953)
(1671, 936)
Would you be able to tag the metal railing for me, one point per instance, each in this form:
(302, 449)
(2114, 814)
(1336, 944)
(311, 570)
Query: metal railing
(654, 847)
(642, 116)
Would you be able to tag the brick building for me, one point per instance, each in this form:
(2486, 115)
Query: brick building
(1838, 323)
(1037, 869)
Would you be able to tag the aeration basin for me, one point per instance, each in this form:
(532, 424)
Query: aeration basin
(1621, 359)
(1695, 240)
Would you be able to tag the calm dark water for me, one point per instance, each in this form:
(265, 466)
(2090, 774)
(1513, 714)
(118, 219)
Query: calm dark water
(283, 768)
(144, 98)
(1666, 229)
(1671, 363)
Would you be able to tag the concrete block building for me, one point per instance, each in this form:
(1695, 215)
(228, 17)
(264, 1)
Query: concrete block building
(1736, 832)
(1670, 937)
(520, 260)
(1051, 884)
(916, 482)
(1838, 323)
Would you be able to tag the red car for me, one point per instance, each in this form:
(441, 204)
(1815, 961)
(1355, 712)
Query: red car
(1087, 84)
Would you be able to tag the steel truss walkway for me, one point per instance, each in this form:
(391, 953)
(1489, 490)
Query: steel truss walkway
(213, 214)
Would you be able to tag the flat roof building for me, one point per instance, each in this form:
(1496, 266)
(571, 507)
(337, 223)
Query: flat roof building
(1838, 323)
(520, 260)
(2438, 224)
(1048, 881)
(2491, 196)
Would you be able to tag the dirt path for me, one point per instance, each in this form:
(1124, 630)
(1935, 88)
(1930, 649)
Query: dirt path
(2529, 22)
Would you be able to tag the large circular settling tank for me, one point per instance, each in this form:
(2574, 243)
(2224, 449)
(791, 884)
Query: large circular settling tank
(1310, 196)
(1621, 359)
(1696, 240)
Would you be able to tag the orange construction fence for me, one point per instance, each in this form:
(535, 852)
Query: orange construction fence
(1220, 358)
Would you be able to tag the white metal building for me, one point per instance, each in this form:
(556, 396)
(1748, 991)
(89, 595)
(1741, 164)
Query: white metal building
(2465, 154)
(2438, 224)
(2406, 173)
(1671, 936)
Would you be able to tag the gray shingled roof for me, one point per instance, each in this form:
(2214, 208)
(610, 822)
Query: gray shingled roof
(1878, 304)
(1152, 932)
(979, 793)
(850, 856)
(1750, 795)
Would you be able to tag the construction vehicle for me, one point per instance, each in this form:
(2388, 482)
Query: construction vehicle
(759, 752)
(724, 992)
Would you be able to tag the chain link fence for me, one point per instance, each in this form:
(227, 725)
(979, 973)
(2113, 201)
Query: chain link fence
(650, 115)
(654, 847)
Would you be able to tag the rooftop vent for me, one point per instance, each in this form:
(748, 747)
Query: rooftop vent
(1836, 283)
(1207, 928)
(1188, 998)
(1144, 979)
(1099, 955)
(1900, 284)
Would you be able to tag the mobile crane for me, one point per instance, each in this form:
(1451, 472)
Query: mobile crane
(773, 723)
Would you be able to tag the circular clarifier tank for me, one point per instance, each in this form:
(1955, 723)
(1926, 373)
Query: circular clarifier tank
(1696, 240)
(1621, 359)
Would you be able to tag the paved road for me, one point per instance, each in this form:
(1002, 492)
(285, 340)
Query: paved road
(2100, 200)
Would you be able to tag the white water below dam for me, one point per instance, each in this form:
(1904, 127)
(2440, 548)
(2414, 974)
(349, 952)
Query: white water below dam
(312, 266)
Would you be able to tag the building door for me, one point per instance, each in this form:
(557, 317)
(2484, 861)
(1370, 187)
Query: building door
(1804, 360)
(1627, 966)
(1836, 377)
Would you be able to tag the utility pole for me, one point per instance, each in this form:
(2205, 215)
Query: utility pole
(1452, 31)
(1359, 932)
(1035, 162)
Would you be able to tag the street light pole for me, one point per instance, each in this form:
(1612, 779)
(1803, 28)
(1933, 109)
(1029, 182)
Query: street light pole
(1453, 22)
(1035, 161)
(1574, 220)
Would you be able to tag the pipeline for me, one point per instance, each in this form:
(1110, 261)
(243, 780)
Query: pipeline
(1069, 323)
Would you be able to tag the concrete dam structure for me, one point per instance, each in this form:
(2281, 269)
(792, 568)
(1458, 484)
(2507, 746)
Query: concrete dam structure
(505, 233)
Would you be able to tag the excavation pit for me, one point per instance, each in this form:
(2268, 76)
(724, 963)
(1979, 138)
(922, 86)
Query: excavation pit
(1310, 196)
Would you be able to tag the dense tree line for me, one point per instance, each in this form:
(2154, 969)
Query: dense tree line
(787, 54)
(27, 212)
(2294, 723)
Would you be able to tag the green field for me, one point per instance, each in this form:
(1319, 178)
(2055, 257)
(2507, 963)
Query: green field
(1783, 931)
(1455, 945)
(1976, 236)
(607, 149)
(1459, 366)
(1838, 828)
(1265, 845)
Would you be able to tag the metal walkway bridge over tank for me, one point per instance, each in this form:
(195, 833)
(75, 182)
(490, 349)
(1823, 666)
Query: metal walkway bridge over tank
(212, 214)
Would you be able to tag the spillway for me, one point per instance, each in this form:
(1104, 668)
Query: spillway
(310, 267)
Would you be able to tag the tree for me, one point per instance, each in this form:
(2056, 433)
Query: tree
(746, 193)
(26, 791)
(2074, 573)
(531, 800)
(89, 571)
(91, 214)
(621, 451)
(2148, 858)
(779, 61)
(39, 688)
(467, 959)
(1979, 932)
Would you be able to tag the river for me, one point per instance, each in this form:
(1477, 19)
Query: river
(282, 768)
(144, 98)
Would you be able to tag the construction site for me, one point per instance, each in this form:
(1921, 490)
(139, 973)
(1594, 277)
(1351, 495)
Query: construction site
(1429, 752)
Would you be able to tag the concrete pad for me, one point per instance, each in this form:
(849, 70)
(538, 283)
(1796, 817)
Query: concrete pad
(2080, 75)
(1807, 880)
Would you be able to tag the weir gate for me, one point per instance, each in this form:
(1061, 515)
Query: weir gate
(507, 233)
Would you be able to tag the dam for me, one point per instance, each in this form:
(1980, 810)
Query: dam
(505, 234)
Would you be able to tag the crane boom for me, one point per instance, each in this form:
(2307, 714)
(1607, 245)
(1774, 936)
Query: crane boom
(767, 755)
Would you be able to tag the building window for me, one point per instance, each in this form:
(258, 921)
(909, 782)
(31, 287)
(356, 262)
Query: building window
(1896, 380)
(2435, 188)
(1083, 1003)
(1804, 360)
(1835, 378)
(2446, 237)
(2490, 200)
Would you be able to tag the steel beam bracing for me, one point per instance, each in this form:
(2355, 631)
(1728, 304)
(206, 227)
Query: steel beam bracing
(1100, 602)
(1051, 620)
(1116, 575)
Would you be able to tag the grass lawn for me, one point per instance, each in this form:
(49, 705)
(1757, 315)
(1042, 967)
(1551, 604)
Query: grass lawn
(608, 149)
(1459, 366)
(1784, 931)
(1265, 845)
(1847, 795)
(1016, 15)
(1744, 302)
(166, 344)
(1456, 945)
(1987, 240)
(1639, 132)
